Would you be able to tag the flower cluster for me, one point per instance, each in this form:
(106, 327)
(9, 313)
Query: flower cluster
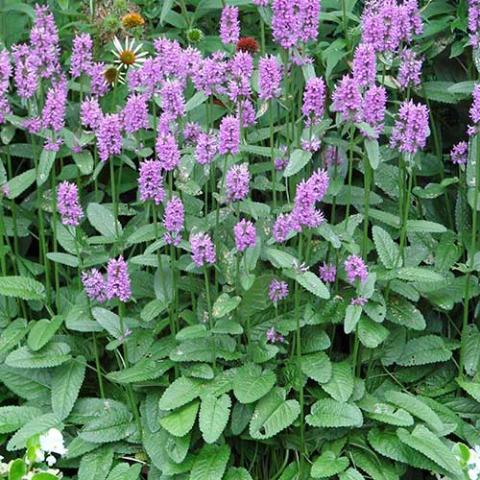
(68, 204)
(203, 250)
(173, 220)
(245, 235)
(237, 182)
(356, 269)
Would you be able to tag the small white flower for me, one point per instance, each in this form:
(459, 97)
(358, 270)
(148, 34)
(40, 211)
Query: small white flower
(52, 442)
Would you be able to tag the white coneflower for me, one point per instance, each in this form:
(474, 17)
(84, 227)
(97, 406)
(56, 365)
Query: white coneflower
(128, 55)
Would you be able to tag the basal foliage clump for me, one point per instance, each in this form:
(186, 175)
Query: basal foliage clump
(239, 240)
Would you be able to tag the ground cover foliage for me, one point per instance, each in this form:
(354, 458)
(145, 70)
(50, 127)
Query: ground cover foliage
(239, 240)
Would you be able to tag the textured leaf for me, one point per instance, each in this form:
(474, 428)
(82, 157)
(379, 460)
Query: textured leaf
(340, 385)
(351, 474)
(426, 442)
(210, 463)
(273, 414)
(180, 421)
(214, 414)
(471, 350)
(402, 312)
(182, 391)
(419, 274)
(145, 369)
(376, 467)
(20, 183)
(39, 424)
(47, 158)
(237, 474)
(298, 159)
(416, 407)
(329, 413)
(124, 471)
(21, 287)
(424, 350)
(473, 389)
(385, 413)
(224, 305)
(114, 424)
(251, 383)
(52, 355)
(317, 366)
(66, 383)
(313, 284)
(371, 333)
(42, 331)
(14, 417)
(102, 220)
(12, 335)
(327, 465)
(387, 249)
(96, 465)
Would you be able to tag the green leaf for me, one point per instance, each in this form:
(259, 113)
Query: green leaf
(14, 417)
(424, 226)
(224, 305)
(21, 287)
(473, 389)
(419, 274)
(327, 465)
(145, 369)
(66, 383)
(424, 350)
(63, 259)
(113, 425)
(340, 385)
(108, 320)
(39, 424)
(124, 471)
(196, 100)
(180, 421)
(96, 465)
(102, 220)
(387, 249)
(17, 469)
(42, 331)
(416, 407)
(313, 284)
(298, 159)
(237, 474)
(385, 413)
(273, 414)
(351, 474)
(47, 158)
(329, 413)
(12, 335)
(20, 183)
(352, 316)
(251, 383)
(44, 476)
(373, 152)
(402, 312)
(210, 463)
(214, 414)
(317, 366)
(426, 442)
(52, 355)
(182, 391)
(371, 333)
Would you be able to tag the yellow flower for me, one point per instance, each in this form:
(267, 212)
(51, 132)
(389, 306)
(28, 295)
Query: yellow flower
(132, 20)
(128, 55)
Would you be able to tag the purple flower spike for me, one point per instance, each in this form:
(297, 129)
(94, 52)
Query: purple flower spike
(459, 153)
(314, 101)
(206, 149)
(364, 66)
(278, 290)
(356, 269)
(173, 220)
(82, 55)
(203, 251)
(229, 135)
(150, 181)
(245, 235)
(270, 76)
(410, 131)
(237, 182)
(347, 99)
(167, 151)
(229, 25)
(410, 69)
(109, 136)
(94, 285)
(274, 337)
(135, 113)
(118, 280)
(68, 204)
(328, 272)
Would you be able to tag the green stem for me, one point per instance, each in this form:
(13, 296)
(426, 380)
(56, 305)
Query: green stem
(367, 186)
(350, 172)
(272, 153)
(406, 209)
(298, 338)
(210, 318)
(114, 197)
(473, 249)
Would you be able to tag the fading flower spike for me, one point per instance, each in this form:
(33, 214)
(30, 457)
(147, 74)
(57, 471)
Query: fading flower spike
(245, 235)
(203, 251)
(94, 285)
(278, 290)
(356, 269)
